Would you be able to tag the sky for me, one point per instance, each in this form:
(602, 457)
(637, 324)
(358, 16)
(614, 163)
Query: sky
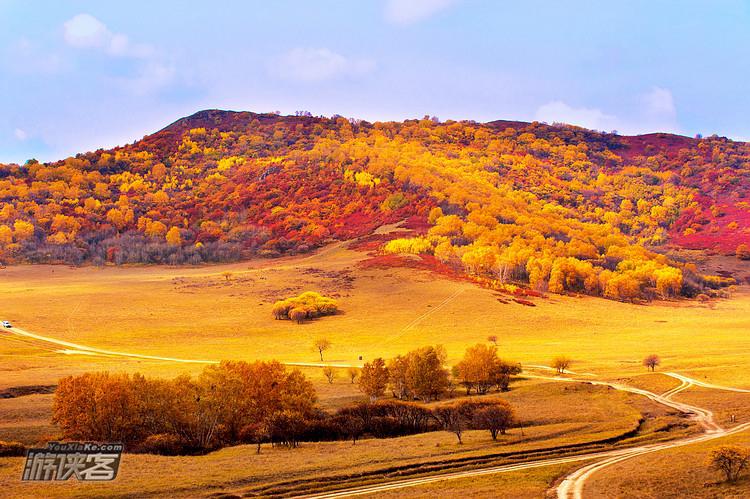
(79, 75)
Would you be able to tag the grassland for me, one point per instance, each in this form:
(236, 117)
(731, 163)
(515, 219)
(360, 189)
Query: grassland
(198, 314)
(203, 313)
(549, 411)
(529, 484)
(676, 473)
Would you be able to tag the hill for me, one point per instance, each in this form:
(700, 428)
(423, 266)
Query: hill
(557, 207)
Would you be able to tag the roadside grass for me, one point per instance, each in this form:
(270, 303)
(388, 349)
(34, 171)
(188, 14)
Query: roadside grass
(674, 473)
(654, 382)
(724, 404)
(528, 484)
(550, 411)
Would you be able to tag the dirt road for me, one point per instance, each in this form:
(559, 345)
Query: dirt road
(571, 486)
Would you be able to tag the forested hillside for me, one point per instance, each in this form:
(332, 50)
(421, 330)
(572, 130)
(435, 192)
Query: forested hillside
(557, 207)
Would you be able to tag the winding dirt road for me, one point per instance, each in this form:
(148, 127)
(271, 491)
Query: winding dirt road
(703, 384)
(571, 487)
(77, 349)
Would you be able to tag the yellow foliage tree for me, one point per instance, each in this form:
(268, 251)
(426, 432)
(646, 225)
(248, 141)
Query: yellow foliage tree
(174, 237)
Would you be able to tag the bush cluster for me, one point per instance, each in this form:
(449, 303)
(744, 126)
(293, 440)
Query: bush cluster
(308, 305)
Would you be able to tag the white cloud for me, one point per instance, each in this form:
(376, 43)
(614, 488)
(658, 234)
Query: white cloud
(151, 72)
(151, 77)
(317, 64)
(658, 110)
(659, 103)
(20, 134)
(560, 112)
(411, 11)
(84, 31)
(653, 111)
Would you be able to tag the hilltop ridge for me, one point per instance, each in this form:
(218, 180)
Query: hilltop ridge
(554, 207)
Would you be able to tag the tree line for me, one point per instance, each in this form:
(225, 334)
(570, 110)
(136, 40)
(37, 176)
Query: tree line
(237, 402)
(421, 374)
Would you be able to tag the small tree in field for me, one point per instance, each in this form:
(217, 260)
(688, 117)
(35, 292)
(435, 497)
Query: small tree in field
(652, 361)
(353, 373)
(452, 418)
(502, 372)
(496, 418)
(561, 364)
(731, 460)
(329, 373)
(481, 369)
(321, 345)
(351, 426)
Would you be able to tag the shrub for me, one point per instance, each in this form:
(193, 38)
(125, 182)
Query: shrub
(164, 444)
(496, 418)
(12, 449)
(731, 460)
(743, 252)
(307, 305)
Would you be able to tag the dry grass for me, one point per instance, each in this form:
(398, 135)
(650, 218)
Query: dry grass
(196, 313)
(676, 473)
(653, 382)
(529, 484)
(551, 414)
(724, 404)
(26, 419)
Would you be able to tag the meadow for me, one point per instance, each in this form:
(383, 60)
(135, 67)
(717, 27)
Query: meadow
(676, 473)
(201, 313)
(548, 411)
(224, 312)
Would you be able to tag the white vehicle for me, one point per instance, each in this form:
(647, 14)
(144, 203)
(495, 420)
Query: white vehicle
(7, 324)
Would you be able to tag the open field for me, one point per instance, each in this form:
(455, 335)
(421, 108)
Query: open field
(195, 313)
(675, 473)
(203, 314)
(528, 484)
(549, 412)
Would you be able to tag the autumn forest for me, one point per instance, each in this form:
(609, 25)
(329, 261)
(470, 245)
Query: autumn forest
(549, 208)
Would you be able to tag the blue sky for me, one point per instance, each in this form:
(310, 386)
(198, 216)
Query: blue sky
(79, 75)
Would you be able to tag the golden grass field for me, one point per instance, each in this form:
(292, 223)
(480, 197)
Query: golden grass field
(550, 412)
(676, 473)
(197, 313)
(528, 484)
